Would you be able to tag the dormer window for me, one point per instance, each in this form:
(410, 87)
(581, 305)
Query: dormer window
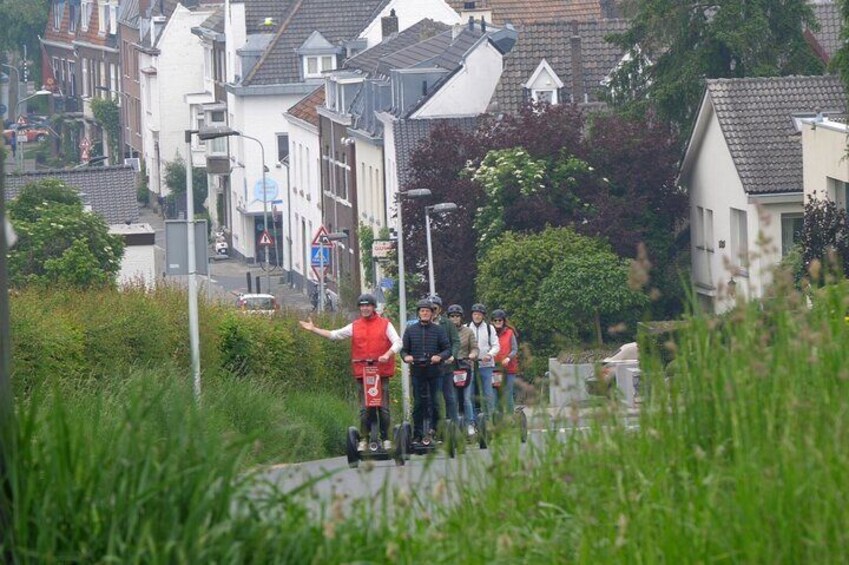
(73, 17)
(318, 55)
(544, 84)
(315, 65)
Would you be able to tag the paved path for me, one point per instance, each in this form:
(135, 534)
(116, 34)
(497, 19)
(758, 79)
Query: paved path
(228, 276)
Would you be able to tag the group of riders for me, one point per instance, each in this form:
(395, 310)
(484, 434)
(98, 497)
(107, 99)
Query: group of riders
(471, 365)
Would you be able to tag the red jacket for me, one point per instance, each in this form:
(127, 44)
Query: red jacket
(369, 341)
(505, 339)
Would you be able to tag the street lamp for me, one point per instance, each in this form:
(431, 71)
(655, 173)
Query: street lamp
(214, 133)
(322, 241)
(436, 208)
(402, 287)
(17, 113)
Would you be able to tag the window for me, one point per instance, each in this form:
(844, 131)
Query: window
(838, 191)
(101, 18)
(547, 96)
(739, 238)
(791, 231)
(314, 66)
(201, 124)
(73, 16)
(704, 228)
(113, 19)
(307, 166)
(58, 12)
(85, 14)
(113, 82)
(72, 78)
(282, 146)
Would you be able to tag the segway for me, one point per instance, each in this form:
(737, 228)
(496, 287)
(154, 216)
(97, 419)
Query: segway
(374, 450)
(520, 419)
(461, 379)
(429, 442)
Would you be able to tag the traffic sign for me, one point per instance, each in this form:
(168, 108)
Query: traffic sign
(321, 235)
(315, 257)
(265, 240)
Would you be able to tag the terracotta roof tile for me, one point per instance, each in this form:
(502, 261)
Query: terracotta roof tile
(306, 109)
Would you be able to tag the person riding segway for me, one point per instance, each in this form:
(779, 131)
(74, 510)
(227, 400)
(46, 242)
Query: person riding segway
(463, 373)
(374, 343)
(504, 375)
(425, 347)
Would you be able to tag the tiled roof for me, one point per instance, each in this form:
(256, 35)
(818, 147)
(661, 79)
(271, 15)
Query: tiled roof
(410, 133)
(521, 12)
(111, 191)
(128, 13)
(256, 12)
(215, 22)
(755, 117)
(552, 42)
(336, 20)
(306, 109)
(442, 50)
(368, 60)
(828, 17)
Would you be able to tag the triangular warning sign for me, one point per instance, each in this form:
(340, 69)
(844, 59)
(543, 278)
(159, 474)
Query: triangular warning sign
(265, 239)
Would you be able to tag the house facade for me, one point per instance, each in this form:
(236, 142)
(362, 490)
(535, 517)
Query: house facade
(824, 164)
(743, 169)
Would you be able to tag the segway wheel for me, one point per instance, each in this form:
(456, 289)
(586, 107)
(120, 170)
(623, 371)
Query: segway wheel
(451, 440)
(522, 420)
(351, 447)
(401, 451)
(482, 431)
(408, 437)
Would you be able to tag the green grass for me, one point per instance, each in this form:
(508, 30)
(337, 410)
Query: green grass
(740, 457)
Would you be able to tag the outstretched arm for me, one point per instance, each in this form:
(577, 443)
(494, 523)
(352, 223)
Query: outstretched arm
(341, 333)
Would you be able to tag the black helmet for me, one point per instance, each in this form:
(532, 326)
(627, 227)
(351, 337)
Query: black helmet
(424, 303)
(367, 299)
(479, 308)
(435, 300)
(498, 314)
(455, 309)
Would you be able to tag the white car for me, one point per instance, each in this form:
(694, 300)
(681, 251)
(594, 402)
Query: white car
(257, 303)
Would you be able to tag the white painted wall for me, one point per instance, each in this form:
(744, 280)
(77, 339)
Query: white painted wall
(823, 157)
(236, 34)
(470, 90)
(390, 165)
(371, 196)
(261, 117)
(410, 12)
(179, 72)
(305, 176)
(138, 266)
(714, 184)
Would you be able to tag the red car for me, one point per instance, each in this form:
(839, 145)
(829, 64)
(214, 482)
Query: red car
(32, 133)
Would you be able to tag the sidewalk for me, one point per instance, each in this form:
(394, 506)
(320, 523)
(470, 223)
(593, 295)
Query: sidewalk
(228, 276)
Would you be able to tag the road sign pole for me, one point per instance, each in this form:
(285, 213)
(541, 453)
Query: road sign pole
(321, 274)
(194, 332)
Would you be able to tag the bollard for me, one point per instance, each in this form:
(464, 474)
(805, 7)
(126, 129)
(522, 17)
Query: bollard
(248, 276)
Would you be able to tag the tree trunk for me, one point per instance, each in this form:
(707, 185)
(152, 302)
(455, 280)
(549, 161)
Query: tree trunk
(598, 328)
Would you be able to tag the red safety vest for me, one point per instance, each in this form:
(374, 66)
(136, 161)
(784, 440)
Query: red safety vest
(369, 341)
(505, 339)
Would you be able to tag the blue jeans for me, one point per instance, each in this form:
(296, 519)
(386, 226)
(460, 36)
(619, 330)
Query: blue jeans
(466, 398)
(487, 392)
(506, 394)
(449, 393)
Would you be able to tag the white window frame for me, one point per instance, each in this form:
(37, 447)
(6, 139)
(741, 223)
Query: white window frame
(740, 240)
(535, 95)
(320, 65)
(73, 17)
(58, 13)
(113, 18)
(788, 217)
(101, 17)
(85, 14)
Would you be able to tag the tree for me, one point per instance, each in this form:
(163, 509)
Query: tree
(22, 22)
(584, 290)
(825, 233)
(685, 43)
(59, 242)
(175, 178)
(840, 61)
(512, 274)
(108, 115)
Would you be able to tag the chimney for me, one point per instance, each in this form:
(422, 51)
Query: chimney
(483, 24)
(389, 24)
(471, 23)
(578, 94)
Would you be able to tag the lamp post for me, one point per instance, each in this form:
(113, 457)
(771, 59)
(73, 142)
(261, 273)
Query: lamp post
(214, 133)
(437, 208)
(20, 150)
(325, 239)
(402, 288)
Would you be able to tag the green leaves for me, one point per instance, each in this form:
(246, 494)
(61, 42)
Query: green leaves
(59, 242)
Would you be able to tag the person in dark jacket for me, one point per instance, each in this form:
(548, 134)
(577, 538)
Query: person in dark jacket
(425, 347)
(448, 388)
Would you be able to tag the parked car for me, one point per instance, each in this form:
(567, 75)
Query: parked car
(32, 133)
(257, 303)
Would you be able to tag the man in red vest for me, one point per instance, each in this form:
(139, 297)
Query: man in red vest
(373, 338)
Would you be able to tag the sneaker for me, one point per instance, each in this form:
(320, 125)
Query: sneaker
(362, 445)
(471, 429)
(387, 444)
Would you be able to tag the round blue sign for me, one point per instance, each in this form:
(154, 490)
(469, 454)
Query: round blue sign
(270, 192)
